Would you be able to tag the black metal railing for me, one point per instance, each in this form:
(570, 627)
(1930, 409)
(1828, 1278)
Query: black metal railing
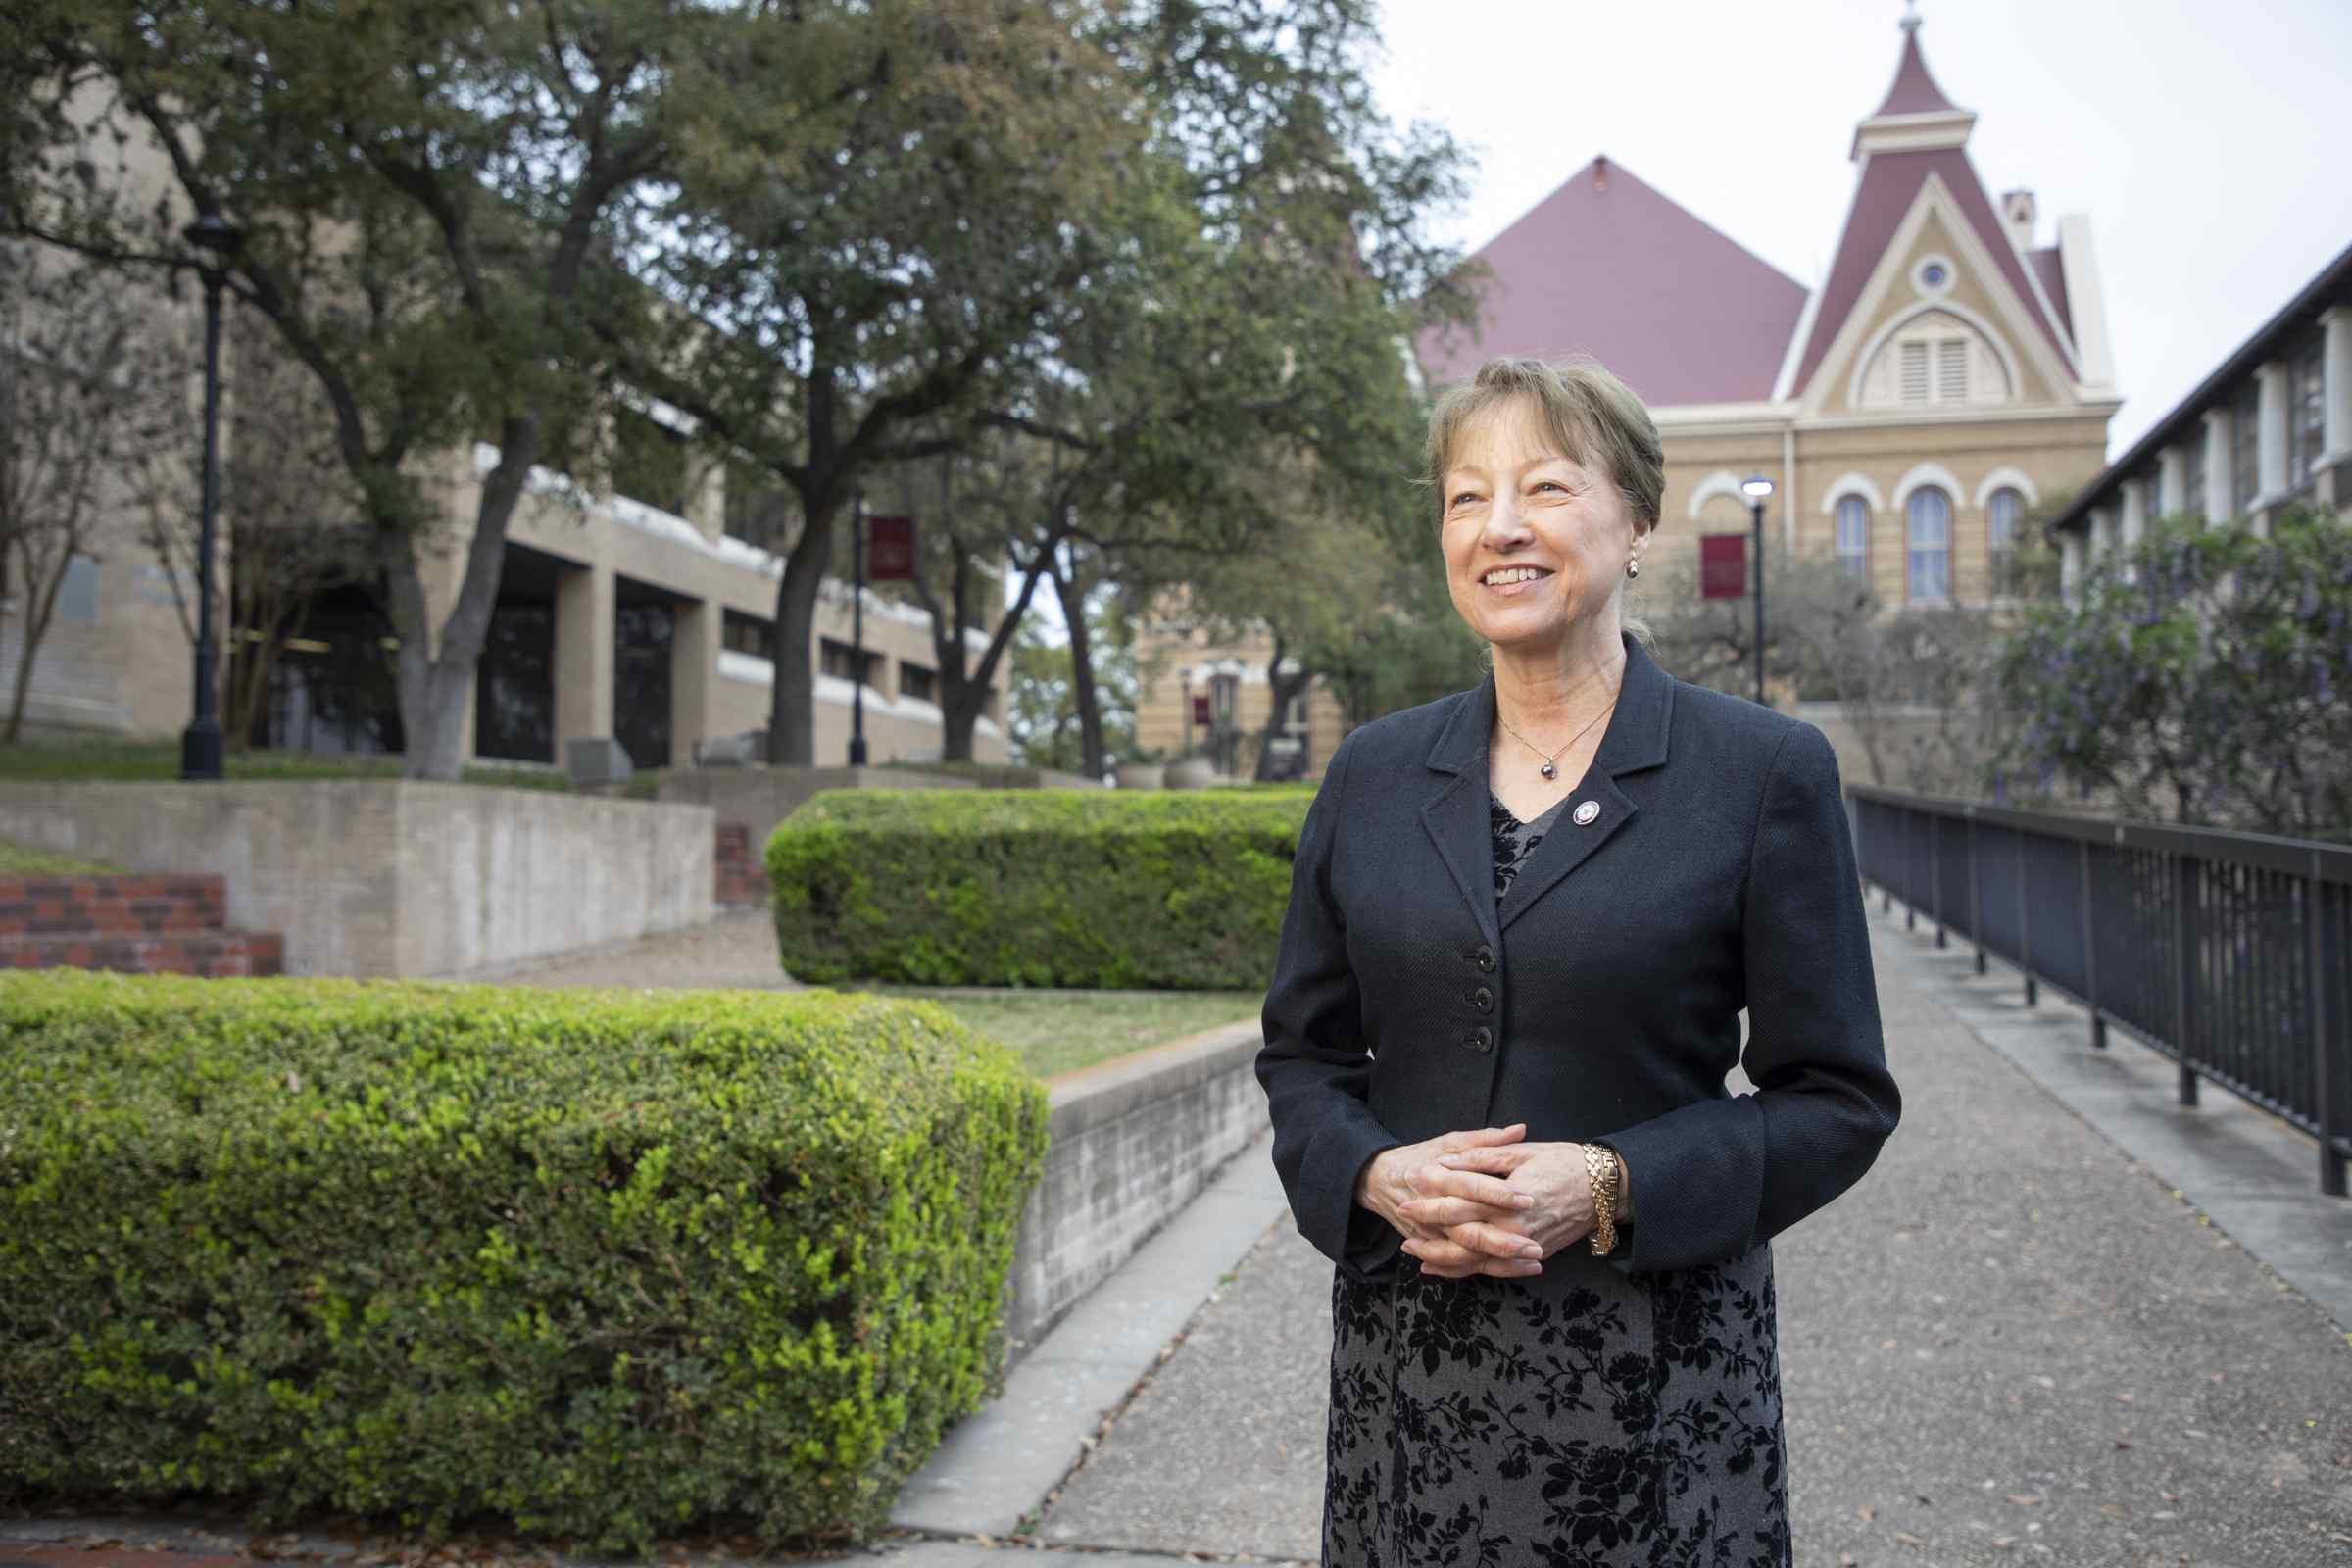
(2230, 953)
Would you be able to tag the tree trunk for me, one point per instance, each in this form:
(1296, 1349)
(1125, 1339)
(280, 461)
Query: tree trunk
(40, 605)
(437, 672)
(1285, 688)
(1085, 695)
(964, 687)
(792, 701)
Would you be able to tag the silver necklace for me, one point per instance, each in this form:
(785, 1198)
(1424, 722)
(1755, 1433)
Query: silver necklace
(1550, 769)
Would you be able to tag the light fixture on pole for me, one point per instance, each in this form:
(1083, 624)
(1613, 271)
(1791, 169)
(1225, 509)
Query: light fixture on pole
(217, 241)
(1757, 488)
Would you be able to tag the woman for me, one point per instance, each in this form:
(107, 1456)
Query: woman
(1523, 924)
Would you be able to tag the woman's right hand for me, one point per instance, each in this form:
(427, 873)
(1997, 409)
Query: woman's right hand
(1397, 1176)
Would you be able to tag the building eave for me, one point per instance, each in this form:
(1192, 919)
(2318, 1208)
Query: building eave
(2332, 285)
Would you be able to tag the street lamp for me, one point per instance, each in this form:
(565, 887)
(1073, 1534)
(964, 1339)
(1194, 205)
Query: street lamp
(1757, 488)
(217, 241)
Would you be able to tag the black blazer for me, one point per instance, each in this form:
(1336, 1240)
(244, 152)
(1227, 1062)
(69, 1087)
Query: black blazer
(1717, 873)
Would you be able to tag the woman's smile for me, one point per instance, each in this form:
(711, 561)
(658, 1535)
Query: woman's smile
(1512, 582)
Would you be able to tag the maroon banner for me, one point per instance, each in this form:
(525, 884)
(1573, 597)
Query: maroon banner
(890, 550)
(1723, 565)
(1201, 712)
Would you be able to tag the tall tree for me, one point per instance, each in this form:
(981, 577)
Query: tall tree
(425, 189)
(91, 375)
(2201, 676)
(874, 250)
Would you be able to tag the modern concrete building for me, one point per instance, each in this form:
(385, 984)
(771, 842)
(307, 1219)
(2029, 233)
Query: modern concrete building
(1950, 373)
(2270, 427)
(640, 615)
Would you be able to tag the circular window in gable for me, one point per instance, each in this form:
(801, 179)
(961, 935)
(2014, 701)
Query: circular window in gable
(1932, 275)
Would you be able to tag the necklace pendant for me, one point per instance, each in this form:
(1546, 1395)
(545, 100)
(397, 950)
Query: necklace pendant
(1550, 771)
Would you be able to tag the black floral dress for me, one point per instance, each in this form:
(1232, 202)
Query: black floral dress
(1586, 1416)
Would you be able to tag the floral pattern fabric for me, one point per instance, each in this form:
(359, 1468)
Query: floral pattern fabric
(1585, 1418)
(1515, 841)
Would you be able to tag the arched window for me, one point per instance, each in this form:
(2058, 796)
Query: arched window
(2003, 510)
(1853, 537)
(1929, 514)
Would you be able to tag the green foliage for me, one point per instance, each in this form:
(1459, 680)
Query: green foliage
(79, 759)
(2202, 675)
(605, 1265)
(1036, 888)
(18, 860)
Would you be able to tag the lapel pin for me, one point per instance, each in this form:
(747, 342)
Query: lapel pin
(1585, 811)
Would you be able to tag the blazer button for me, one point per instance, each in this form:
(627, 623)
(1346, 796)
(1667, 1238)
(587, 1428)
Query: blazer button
(1479, 1039)
(1482, 999)
(1484, 957)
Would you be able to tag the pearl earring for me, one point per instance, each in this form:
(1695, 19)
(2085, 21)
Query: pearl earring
(1633, 567)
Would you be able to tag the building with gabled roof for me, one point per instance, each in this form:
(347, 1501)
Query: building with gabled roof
(1948, 375)
(1949, 371)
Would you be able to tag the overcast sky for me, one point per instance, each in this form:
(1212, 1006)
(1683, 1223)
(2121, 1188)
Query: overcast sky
(2209, 140)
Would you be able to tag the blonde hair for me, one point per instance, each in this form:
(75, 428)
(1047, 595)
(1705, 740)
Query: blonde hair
(1587, 412)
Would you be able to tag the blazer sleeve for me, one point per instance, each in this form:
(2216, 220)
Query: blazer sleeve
(1711, 1180)
(1316, 1066)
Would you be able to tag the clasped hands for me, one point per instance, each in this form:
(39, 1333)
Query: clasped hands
(1481, 1202)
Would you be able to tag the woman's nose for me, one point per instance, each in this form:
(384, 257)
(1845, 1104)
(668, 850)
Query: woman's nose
(1505, 522)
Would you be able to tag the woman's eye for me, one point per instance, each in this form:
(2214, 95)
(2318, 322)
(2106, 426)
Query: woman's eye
(1464, 498)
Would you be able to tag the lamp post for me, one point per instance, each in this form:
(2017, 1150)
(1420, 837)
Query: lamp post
(1757, 488)
(857, 633)
(217, 241)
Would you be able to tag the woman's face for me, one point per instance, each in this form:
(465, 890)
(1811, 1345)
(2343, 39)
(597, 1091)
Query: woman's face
(1535, 545)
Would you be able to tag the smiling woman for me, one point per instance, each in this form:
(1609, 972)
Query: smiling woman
(1500, 1025)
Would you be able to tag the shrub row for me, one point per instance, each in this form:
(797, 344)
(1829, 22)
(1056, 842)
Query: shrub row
(1036, 888)
(599, 1265)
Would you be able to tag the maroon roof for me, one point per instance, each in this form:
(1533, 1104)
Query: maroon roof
(1914, 91)
(2052, 272)
(1890, 184)
(1606, 265)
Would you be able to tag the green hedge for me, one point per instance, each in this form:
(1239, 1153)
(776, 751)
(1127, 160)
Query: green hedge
(597, 1265)
(1180, 890)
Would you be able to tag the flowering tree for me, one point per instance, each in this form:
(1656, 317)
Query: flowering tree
(2203, 675)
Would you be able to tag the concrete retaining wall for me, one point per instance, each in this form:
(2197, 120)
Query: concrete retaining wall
(1134, 1140)
(396, 877)
(759, 798)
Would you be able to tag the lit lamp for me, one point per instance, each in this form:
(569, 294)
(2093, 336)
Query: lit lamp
(217, 241)
(1757, 488)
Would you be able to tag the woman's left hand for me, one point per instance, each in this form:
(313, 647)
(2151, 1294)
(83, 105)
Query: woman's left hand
(1553, 1174)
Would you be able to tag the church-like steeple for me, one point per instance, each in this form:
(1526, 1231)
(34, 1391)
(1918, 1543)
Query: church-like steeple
(1915, 116)
(1913, 150)
(1914, 91)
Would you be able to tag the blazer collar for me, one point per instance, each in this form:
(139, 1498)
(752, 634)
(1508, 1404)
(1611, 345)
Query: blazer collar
(1634, 739)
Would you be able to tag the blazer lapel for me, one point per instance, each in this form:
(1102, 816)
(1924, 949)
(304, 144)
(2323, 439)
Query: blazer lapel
(1635, 739)
(1456, 814)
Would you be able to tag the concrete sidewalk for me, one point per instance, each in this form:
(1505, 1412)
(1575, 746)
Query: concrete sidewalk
(2063, 1321)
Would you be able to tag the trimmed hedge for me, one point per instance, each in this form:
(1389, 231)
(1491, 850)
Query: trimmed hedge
(600, 1265)
(1180, 890)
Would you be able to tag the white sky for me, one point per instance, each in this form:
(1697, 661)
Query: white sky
(2209, 140)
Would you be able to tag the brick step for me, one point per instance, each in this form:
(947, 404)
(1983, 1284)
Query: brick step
(112, 906)
(194, 953)
(740, 877)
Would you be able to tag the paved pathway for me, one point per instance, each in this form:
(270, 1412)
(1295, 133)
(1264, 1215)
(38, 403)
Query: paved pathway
(737, 952)
(2011, 1342)
(2016, 1341)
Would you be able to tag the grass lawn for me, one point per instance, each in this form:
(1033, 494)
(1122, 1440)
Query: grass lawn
(145, 762)
(17, 860)
(1056, 1031)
